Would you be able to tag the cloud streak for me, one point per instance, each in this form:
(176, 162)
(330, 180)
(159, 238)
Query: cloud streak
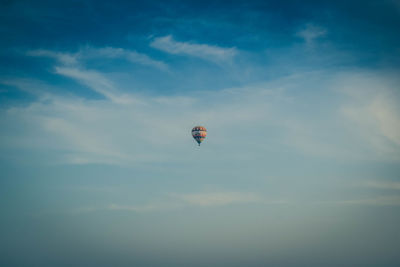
(95, 81)
(218, 198)
(372, 107)
(204, 51)
(130, 55)
(78, 58)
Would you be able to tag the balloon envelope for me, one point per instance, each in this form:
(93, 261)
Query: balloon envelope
(199, 133)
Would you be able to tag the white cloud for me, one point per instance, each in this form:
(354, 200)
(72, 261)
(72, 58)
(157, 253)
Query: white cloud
(387, 116)
(218, 198)
(130, 55)
(373, 110)
(204, 51)
(95, 81)
(81, 140)
(88, 52)
(72, 66)
(309, 33)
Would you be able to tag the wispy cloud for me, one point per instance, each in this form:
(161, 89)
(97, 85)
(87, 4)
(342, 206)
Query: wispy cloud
(78, 58)
(87, 149)
(94, 80)
(130, 55)
(204, 51)
(387, 115)
(218, 198)
(72, 65)
(372, 108)
(310, 32)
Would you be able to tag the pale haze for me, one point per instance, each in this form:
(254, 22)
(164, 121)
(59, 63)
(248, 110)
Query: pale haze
(300, 167)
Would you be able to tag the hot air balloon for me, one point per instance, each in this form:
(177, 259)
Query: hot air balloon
(199, 133)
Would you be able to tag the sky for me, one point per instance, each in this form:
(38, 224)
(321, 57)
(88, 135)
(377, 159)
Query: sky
(300, 167)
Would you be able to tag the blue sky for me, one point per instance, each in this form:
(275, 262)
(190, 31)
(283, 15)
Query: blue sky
(300, 166)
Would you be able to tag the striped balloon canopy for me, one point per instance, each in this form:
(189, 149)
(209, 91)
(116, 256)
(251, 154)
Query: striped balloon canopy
(199, 133)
